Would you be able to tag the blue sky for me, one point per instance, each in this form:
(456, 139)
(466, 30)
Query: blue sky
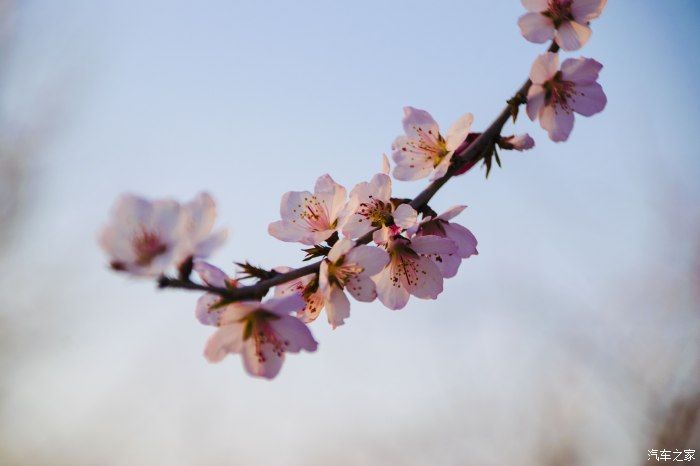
(580, 243)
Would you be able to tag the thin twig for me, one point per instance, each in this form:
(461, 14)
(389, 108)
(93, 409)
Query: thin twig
(471, 154)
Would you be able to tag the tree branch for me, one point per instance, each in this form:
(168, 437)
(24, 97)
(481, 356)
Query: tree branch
(470, 154)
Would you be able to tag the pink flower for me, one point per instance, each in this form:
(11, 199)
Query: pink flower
(423, 150)
(370, 207)
(518, 142)
(411, 271)
(310, 218)
(307, 288)
(441, 226)
(556, 94)
(349, 267)
(142, 236)
(209, 308)
(262, 333)
(198, 220)
(565, 21)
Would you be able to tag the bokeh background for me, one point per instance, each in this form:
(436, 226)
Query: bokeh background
(571, 339)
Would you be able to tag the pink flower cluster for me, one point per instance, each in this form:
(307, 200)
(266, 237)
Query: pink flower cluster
(557, 93)
(372, 246)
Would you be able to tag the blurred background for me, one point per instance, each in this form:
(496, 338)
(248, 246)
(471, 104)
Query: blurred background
(571, 339)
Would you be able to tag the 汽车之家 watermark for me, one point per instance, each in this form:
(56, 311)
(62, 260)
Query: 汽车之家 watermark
(671, 455)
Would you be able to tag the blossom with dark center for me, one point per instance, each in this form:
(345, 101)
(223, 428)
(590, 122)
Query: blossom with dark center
(565, 21)
(370, 207)
(442, 226)
(142, 236)
(263, 333)
(349, 267)
(310, 218)
(411, 271)
(556, 94)
(423, 151)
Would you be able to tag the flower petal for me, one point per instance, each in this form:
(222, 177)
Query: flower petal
(201, 213)
(381, 236)
(331, 194)
(405, 216)
(580, 70)
(417, 122)
(371, 259)
(584, 11)
(340, 248)
(386, 167)
(432, 244)
(463, 238)
(413, 171)
(427, 280)
(284, 305)
(225, 340)
(557, 122)
(544, 68)
(442, 167)
(337, 307)
(572, 35)
(536, 27)
(535, 101)
(590, 99)
(535, 5)
(448, 264)
(211, 243)
(362, 288)
(287, 231)
(390, 291)
(458, 132)
(204, 312)
(267, 367)
(452, 212)
(211, 275)
(295, 333)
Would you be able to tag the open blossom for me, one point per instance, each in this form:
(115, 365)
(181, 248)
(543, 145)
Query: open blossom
(565, 21)
(556, 94)
(442, 226)
(209, 309)
(370, 207)
(262, 333)
(142, 236)
(411, 271)
(307, 288)
(349, 267)
(519, 142)
(198, 220)
(423, 150)
(310, 218)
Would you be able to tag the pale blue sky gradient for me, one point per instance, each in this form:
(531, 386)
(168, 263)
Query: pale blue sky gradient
(587, 248)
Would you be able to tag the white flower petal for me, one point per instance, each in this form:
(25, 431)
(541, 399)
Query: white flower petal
(337, 307)
(452, 212)
(544, 68)
(536, 27)
(405, 216)
(572, 35)
(459, 131)
(362, 288)
(225, 340)
(390, 292)
(371, 259)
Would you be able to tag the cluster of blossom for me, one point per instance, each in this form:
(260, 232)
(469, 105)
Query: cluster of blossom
(376, 246)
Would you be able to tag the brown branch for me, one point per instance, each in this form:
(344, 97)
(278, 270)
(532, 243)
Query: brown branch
(470, 154)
